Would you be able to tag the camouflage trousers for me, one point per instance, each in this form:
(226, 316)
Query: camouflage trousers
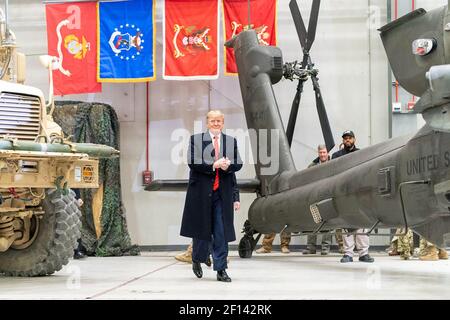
(405, 247)
(285, 239)
(403, 243)
(339, 239)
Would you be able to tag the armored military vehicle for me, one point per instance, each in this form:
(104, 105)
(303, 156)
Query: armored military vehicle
(39, 215)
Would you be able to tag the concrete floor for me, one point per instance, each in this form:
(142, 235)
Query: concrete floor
(268, 276)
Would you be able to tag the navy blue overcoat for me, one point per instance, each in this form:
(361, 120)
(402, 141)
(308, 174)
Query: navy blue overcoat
(197, 214)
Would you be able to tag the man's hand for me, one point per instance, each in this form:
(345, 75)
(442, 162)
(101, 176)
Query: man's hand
(225, 164)
(218, 163)
(237, 206)
(222, 163)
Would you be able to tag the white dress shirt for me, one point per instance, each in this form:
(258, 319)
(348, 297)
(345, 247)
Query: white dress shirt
(218, 141)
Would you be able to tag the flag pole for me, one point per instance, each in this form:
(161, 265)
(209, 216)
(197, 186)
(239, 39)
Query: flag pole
(248, 12)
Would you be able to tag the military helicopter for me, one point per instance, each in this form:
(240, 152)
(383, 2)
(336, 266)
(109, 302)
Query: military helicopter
(402, 182)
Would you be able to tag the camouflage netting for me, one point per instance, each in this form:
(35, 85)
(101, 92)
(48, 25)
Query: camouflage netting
(98, 123)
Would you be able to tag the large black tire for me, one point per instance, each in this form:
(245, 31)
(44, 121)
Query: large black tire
(59, 230)
(245, 247)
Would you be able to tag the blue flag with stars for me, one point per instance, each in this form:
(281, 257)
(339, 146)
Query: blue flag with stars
(126, 41)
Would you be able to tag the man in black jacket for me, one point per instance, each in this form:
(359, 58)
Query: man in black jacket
(362, 241)
(348, 143)
(208, 213)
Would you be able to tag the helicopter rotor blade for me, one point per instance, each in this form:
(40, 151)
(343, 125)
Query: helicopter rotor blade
(323, 117)
(312, 27)
(302, 36)
(298, 21)
(294, 112)
(307, 38)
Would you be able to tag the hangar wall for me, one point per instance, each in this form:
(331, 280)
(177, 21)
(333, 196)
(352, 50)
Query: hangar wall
(353, 77)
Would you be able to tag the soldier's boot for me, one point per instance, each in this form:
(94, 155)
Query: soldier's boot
(309, 250)
(431, 253)
(325, 250)
(266, 243)
(405, 255)
(185, 256)
(395, 249)
(393, 252)
(285, 249)
(443, 255)
(285, 240)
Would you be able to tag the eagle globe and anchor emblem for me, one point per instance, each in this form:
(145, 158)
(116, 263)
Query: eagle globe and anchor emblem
(127, 42)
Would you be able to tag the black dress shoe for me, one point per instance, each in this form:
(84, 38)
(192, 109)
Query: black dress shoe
(208, 262)
(346, 259)
(223, 276)
(197, 268)
(366, 258)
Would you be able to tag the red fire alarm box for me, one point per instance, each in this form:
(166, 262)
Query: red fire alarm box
(147, 177)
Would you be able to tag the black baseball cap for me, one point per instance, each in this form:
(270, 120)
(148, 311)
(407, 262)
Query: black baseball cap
(348, 133)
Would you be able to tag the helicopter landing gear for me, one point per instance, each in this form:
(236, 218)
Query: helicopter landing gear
(247, 243)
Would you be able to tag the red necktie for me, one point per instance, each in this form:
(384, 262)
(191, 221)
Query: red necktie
(216, 157)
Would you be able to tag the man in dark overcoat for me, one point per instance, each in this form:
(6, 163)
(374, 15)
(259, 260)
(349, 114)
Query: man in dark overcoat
(208, 214)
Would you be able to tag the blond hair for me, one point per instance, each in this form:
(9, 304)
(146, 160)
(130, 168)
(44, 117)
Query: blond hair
(214, 113)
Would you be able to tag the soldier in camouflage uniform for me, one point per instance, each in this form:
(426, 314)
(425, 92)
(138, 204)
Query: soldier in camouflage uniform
(403, 245)
(285, 239)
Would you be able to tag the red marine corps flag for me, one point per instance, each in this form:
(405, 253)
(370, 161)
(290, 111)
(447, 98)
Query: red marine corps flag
(72, 40)
(262, 19)
(191, 33)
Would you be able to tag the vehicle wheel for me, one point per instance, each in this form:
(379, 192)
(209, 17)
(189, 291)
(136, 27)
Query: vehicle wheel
(59, 229)
(245, 247)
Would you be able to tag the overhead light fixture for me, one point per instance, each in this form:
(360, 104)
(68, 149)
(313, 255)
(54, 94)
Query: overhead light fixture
(49, 62)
